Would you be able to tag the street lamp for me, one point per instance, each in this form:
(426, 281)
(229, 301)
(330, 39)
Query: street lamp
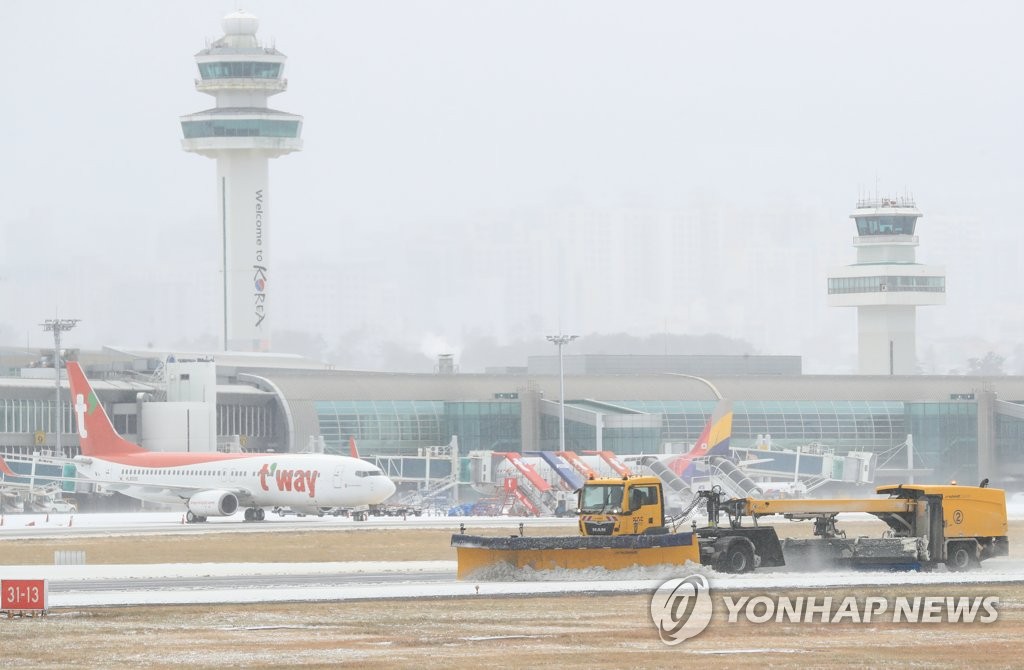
(559, 341)
(58, 326)
(718, 394)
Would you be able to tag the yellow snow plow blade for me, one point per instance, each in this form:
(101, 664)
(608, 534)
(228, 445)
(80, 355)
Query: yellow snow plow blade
(574, 553)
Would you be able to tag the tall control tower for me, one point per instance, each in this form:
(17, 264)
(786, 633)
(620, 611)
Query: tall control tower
(886, 285)
(243, 134)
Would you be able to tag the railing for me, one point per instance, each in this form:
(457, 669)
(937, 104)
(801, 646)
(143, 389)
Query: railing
(886, 238)
(876, 202)
(433, 488)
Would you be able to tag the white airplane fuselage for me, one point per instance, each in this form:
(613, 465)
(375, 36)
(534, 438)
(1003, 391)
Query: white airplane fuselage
(303, 482)
(212, 483)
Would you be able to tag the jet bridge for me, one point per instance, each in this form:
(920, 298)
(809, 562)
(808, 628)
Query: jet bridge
(809, 465)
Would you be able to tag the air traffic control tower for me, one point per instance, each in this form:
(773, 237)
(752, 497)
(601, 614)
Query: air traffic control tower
(886, 285)
(242, 133)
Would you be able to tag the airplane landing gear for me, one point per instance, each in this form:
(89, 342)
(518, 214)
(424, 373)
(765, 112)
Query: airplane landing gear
(255, 514)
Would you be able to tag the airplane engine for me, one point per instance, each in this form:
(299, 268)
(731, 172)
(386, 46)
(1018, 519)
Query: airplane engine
(213, 503)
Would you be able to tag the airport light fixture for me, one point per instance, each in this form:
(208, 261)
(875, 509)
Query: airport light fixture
(718, 394)
(560, 341)
(58, 326)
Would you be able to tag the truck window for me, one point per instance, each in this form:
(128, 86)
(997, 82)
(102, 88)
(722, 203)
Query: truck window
(643, 495)
(637, 497)
(601, 497)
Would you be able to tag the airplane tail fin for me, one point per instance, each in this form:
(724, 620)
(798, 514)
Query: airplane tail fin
(713, 440)
(352, 447)
(718, 432)
(5, 469)
(95, 432)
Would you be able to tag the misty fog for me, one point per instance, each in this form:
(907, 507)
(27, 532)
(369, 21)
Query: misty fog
(656, 177)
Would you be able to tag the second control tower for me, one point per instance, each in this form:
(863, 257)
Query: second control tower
(886, 285)
(242, 133)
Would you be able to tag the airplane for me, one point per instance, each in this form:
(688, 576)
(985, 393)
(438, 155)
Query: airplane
(713, 441)
(213, 483)
(710, 454)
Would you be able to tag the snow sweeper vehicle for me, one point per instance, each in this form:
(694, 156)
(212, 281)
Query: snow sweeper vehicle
(622, 524)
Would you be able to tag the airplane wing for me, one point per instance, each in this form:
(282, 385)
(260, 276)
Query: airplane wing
(182, 491)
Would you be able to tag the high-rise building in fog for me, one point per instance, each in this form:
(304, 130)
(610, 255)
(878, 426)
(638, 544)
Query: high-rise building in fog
(886, 285)
(242, 134)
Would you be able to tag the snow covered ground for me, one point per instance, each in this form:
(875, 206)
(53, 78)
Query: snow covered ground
(645, 580)
(61, 525)
(417, 585)
(54, 525)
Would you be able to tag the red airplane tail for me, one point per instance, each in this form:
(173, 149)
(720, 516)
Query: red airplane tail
(5, 469)
(95, 432)
(353, 452)
(713, 441)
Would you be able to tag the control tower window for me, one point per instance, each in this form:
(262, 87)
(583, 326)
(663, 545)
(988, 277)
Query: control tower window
(240, 128)
(886, 284)
(886, 225)
(234, 70)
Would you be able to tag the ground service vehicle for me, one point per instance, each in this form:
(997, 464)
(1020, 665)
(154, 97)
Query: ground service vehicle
(622, 524)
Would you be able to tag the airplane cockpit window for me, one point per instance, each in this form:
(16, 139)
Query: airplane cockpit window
(369, 473)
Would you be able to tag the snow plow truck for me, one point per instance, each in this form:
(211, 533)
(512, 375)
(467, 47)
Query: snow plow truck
(623, 523)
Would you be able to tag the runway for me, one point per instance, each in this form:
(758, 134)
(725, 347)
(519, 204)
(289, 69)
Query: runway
(206, 583)
(269, 581)
(390, 563)
(21, 526)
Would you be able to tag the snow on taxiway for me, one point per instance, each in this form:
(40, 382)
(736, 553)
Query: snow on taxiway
(1000, 570)
(644, 580)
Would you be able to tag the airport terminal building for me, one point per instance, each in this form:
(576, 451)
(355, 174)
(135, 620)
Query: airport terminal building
(962, 428)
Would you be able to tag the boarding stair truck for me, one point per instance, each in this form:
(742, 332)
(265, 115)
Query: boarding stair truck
(679, 492)
(622, 524)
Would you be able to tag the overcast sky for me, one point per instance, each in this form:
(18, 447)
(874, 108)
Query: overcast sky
(431, 125)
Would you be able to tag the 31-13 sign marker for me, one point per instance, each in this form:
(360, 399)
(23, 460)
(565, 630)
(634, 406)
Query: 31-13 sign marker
(23, 594)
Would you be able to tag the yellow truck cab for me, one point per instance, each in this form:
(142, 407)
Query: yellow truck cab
(626, 506)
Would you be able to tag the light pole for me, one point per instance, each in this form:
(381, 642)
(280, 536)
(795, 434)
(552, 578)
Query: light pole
(711, 386)
(58, 326)
(559, 341)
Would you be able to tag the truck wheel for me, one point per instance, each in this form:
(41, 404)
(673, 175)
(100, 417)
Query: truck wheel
(961, 556)
(737, 558)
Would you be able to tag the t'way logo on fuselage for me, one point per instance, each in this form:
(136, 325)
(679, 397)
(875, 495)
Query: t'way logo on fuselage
(289, 480)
